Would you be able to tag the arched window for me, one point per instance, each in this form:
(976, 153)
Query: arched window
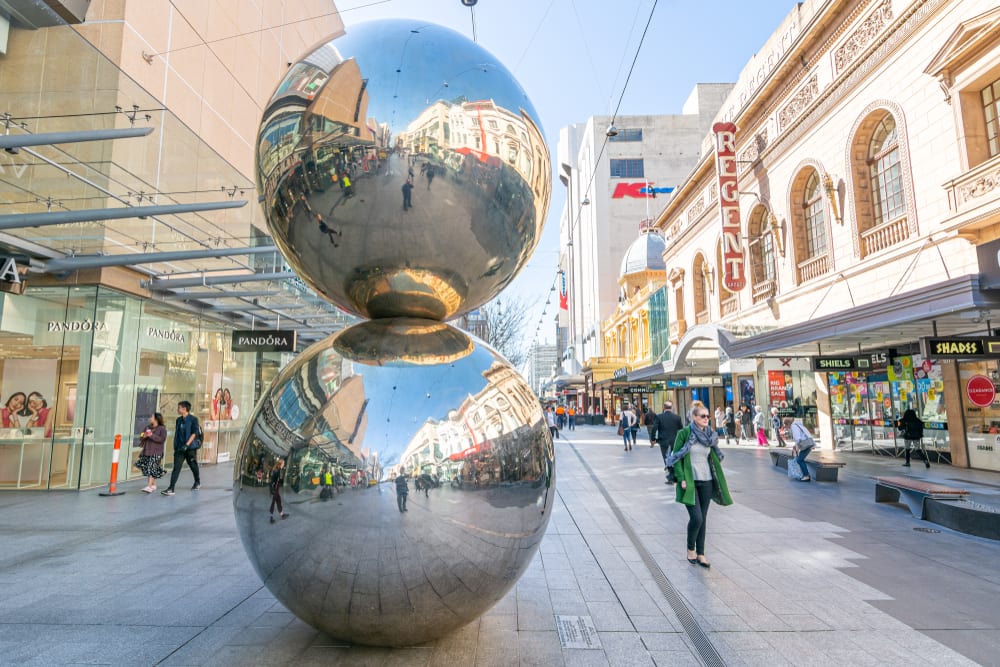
(699, 283)
(810, 233)
(885, 172)
(761, 254)
(815, 217)
(880, 193)
(728, 301)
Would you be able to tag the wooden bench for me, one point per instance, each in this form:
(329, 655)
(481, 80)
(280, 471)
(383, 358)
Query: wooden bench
(822, 466)
(913, 492)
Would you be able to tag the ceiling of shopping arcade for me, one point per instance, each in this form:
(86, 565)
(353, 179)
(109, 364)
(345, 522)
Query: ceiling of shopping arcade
(220, 263)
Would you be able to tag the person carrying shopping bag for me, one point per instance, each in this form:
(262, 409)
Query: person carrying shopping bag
(803, 444)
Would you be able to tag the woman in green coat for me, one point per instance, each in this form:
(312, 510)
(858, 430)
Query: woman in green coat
(700, 480)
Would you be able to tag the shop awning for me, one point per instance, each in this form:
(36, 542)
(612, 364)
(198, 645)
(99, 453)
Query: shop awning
(950, 308)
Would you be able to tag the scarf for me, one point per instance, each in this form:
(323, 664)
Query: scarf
(706, 436)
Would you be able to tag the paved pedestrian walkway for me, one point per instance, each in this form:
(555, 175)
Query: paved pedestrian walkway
(802, 574)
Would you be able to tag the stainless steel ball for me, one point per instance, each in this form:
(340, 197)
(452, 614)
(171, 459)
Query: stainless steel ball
(403, 171)
(385, 399)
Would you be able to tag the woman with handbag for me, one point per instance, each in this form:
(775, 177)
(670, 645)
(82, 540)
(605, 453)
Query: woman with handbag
(697, 462)
(804, 444)
(151, 455)
(627, 426)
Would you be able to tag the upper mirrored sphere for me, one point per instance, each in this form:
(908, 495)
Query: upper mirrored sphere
(403, 171)
(418, 475)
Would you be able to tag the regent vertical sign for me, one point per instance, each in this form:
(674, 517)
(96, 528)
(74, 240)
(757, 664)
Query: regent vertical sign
(729, 204)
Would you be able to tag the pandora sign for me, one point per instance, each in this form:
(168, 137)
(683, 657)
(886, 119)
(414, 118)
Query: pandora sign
(729, 203)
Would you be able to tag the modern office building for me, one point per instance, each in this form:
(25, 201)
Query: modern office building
(615, 182)
(107, 314)
(542, 363)
(834, 251)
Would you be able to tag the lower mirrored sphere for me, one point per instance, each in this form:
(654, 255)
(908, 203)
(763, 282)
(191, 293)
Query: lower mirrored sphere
(394, 482)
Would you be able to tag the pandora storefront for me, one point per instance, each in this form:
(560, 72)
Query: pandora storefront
(79, 365)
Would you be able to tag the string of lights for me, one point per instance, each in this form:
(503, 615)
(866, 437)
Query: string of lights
(611, 131)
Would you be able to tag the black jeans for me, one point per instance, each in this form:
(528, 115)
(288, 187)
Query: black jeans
(276, 500)
(698, 516)
(189, 455)
(401, 501)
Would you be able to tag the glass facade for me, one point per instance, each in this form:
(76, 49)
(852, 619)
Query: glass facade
(80, 365)
(659, 326)
(864, 406)
(982, 423)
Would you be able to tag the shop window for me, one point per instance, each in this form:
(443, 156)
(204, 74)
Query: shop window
(700, 285)
(990, 95)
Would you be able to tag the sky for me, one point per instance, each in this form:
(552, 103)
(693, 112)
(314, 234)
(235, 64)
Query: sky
(572, 57)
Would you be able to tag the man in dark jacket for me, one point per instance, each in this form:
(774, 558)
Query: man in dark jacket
(912, 429)
(402, 491)
(187, 441)
(665, 430)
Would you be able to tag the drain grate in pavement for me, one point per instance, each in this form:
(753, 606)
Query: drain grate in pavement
(577, 632)
(709, 654)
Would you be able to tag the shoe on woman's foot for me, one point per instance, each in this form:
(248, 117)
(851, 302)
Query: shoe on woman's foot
(147, 490)
(692, 557)
(703, 562)
(805, 479)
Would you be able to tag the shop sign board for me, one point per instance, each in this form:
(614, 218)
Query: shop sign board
(12, 270)
(677, 384)
(704, 381)
(833, 363)
(621, 373)
(264, 341)
(729, 205)
(981, 391)
(962, 347)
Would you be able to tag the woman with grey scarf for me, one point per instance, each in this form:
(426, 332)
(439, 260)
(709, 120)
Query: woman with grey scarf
(697, 462)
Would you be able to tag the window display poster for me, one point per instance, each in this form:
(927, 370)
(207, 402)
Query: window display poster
(145, 406)
(780, 388)
(747, 391)
(28, 391)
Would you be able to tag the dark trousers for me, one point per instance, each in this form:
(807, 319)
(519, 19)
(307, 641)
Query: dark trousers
(918, 447)
(276, 500)
(401, 501)
(189, 455)
(698, 516)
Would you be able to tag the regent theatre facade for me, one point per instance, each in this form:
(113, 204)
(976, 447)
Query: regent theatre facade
(834, 253)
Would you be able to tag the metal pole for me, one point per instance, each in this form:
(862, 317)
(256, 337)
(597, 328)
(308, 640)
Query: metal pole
(75, 263)
(8, 141)
(172, 283)
(22, 220)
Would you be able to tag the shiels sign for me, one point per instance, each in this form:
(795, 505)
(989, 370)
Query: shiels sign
(264, 341)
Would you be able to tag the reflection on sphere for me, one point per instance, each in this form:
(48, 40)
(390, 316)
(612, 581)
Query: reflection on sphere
(403, 171)
(349, 415)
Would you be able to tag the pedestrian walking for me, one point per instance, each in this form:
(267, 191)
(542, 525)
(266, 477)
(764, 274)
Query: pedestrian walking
(730, 425)
(151, 454)
(720, 421)
(776, 427)
(668, 424)
(627, 424)
(187, 442)
(550, 421)
(274, 484)
(697, 462)
(912, 430)
(649, 421)
(407, 193)
(571, 416)
(803, 443)
(402, 491)
(744, 423)
(326, 229)
(758, 425)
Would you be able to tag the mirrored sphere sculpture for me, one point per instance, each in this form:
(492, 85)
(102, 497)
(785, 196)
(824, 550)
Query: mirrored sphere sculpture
(351, 414)
(403, 171)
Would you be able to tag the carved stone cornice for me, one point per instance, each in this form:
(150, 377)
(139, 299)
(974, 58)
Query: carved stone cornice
(752, 152)
(799, 102)
(863, 35)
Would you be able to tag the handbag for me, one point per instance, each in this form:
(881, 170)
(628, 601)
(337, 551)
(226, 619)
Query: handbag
(621, 429)
(196, 444)
(793, 469)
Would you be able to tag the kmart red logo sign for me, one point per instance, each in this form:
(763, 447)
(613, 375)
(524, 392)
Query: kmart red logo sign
(641, 190)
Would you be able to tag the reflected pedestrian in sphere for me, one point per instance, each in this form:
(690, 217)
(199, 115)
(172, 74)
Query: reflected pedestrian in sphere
(402, 491)
(697, 463)
(407, 193)
(151, 454)
(275, 483)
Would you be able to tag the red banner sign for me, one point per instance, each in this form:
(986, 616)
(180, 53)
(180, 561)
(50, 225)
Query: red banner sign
(729, 203)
